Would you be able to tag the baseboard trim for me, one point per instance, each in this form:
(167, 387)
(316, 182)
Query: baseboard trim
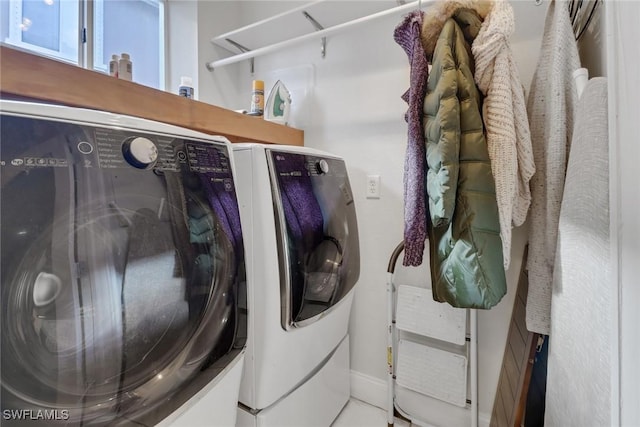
(369, 389)
(373, 391)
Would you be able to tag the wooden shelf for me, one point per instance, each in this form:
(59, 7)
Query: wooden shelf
(30, 76)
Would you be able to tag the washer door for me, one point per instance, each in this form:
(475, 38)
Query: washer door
(317, 234)
(120, 281)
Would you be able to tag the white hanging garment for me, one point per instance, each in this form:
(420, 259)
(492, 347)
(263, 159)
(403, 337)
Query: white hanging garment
(551, 105)
(582, 307)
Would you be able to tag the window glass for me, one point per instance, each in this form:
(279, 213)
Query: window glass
(133, 27)
(4, 20)
(49, 27)
(47, 13)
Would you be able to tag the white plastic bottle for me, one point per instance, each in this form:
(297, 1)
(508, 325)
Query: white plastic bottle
(186, 87)
(113, 66)
(125, 67)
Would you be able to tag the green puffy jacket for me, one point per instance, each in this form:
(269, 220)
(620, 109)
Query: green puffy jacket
(464, 230)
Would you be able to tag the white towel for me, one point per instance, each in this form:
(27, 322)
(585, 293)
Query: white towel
(579, 365)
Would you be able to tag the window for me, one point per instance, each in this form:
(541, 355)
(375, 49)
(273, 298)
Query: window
(56, 28)
(48, 27)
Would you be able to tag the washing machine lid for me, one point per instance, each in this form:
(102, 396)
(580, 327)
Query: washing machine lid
(122, 266)
(317, 233)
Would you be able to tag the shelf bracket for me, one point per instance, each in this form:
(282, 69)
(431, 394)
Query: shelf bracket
(318, 27)
(243, 49)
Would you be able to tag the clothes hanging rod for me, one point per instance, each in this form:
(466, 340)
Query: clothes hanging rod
(315, 35)
(257, 24)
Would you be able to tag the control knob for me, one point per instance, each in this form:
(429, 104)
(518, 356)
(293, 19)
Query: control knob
(140, 152)
(322, 167)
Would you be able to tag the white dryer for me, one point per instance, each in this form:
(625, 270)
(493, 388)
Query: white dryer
(123, 277)
(301, 234)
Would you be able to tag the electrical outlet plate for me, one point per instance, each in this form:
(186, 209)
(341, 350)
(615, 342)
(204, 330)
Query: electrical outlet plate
(373, 187)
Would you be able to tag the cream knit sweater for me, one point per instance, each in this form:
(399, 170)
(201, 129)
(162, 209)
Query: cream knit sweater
(505, 119)
(552, 105)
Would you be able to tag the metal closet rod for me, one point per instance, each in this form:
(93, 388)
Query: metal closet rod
(317, 34)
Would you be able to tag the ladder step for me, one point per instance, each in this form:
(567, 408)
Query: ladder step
(418, 313)
(433, 372)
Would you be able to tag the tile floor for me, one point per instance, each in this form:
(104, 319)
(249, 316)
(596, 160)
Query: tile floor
(359, 414)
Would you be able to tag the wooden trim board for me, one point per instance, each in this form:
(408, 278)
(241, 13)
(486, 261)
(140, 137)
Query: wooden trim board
(25, 75)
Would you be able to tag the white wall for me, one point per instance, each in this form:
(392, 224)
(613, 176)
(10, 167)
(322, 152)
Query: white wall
(180, 16)
(623, 63)
(190, 26)
(221, 86)
(354, 110)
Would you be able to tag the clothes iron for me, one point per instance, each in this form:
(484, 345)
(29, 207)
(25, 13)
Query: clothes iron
(278, 104)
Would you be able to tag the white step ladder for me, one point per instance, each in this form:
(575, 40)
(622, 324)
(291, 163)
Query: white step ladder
(431, 354)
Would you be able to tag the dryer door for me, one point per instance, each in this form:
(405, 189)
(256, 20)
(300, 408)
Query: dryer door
(121, 274)
(317, 234)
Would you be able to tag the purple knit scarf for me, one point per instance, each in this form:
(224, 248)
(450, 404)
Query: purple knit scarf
(407, 35)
